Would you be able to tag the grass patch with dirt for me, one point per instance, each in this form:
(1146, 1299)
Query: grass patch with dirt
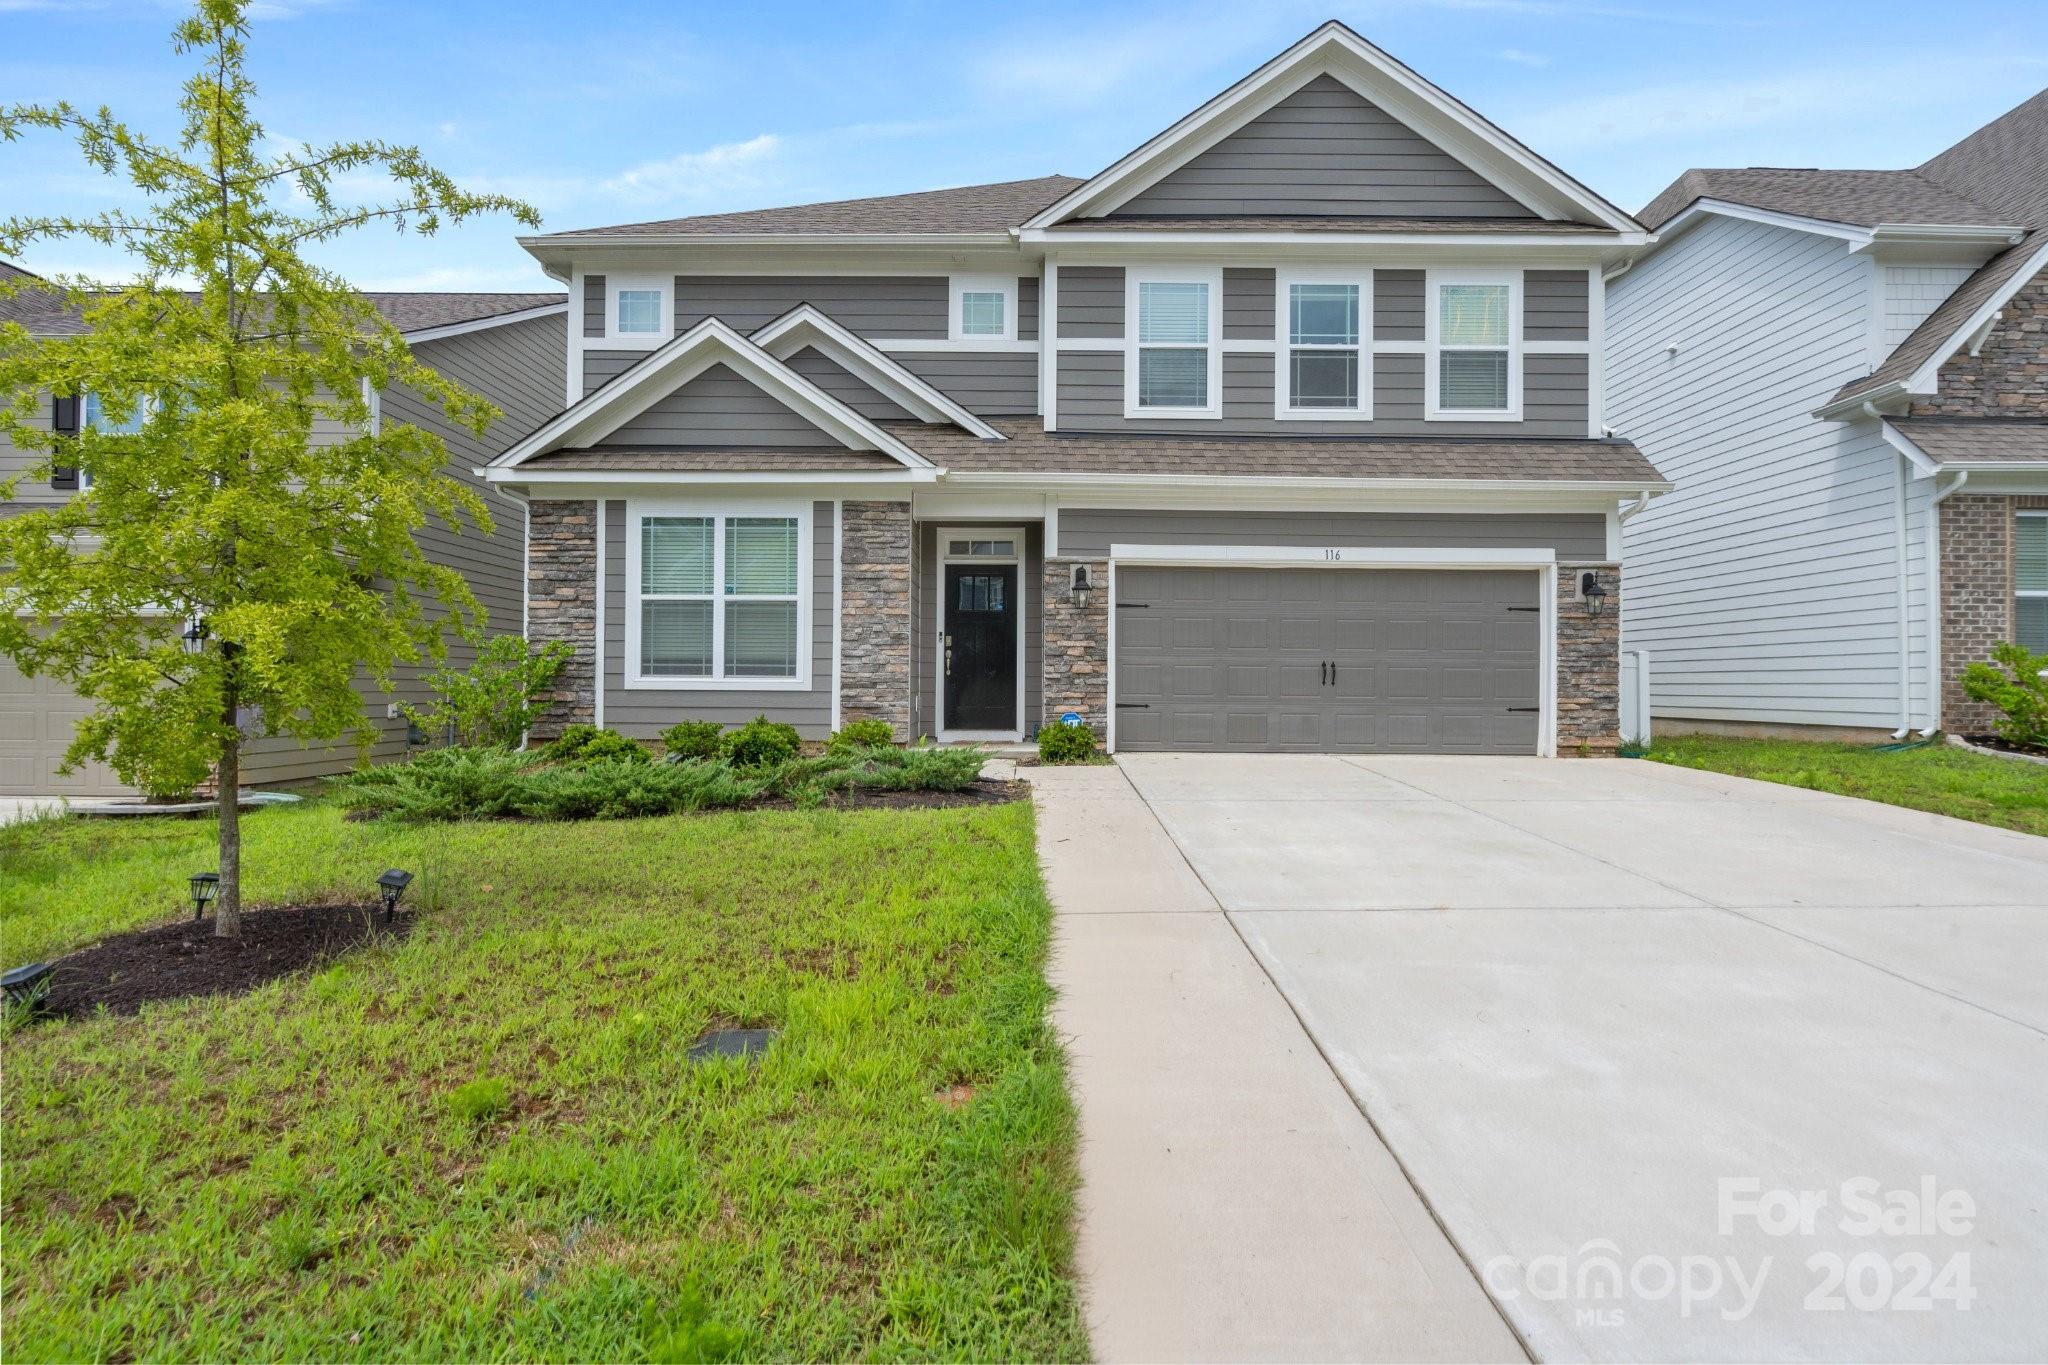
(484, 1140)
(1938, 777)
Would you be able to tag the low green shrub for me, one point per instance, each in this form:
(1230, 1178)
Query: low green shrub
(1066, 744)
(441, 784)
(621, 789)
(582, 743)
(861, 734)
(760, 743)
(2016, 685)
(693, 739)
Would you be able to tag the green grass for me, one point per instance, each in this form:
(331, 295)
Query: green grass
(484, 1141)
(1939, 778)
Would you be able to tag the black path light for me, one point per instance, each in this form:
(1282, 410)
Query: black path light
(25, 985)
(205, 886)
(392, 884)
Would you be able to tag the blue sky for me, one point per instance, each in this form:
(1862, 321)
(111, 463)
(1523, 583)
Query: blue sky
(620, 111)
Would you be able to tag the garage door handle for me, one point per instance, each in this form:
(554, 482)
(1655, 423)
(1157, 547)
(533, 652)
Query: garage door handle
(1530, 709)
(1134, 706)
(1326, 673)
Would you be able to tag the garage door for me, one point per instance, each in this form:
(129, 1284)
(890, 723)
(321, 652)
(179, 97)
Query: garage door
(37, 716)
(1328, 660)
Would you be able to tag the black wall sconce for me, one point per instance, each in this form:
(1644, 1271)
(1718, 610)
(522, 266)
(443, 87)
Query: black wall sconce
(1081, 585)
(1593, 591)
(205, 886)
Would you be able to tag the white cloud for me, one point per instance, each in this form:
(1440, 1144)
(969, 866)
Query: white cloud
(728, 168)
(458, 279)
(1521, 58)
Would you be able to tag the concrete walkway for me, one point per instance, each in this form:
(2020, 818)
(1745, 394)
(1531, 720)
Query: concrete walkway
(1236, 1205)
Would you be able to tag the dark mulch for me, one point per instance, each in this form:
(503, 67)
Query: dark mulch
(984, 792)
(171, 961)
(2007, 746)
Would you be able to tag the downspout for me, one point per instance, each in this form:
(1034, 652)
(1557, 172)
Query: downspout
(1904, 594)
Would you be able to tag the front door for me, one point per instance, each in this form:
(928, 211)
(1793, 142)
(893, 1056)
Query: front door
(981, 647)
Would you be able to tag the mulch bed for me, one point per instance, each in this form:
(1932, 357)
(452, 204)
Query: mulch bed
(2006, 746)
(984, 792)
(172, 961)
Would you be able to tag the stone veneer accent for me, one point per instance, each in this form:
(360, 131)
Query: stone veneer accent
(561, 604)
(1076, 645)
(1977, 585)
(1588, 663)
(2009, 376)
(875, 614)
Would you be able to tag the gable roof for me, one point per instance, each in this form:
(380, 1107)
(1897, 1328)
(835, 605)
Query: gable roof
(993, 209)
(1335, 50)
(586, 423)
(804, 327)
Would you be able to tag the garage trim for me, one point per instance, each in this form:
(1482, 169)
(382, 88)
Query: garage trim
(1540, 561)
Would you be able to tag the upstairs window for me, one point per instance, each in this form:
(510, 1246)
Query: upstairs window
(982, 308)
(1474, 363)
(2030, 575)
(637, 309)
(718, 598)
(94, 416)
(1174, 369)
(1325, 371)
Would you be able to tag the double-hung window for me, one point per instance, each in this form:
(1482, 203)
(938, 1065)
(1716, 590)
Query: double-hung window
(1325, 367)
(718, 598)
(93, 416)
(2030, 580)
(982, 308)
(1475, 362)
(1174, 318)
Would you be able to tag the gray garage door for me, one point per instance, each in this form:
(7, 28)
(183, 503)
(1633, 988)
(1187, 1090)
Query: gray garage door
(37, 717)
(1327, 660)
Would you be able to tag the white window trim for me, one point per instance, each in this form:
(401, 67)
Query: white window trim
(1434, 280)
(614, 339)
(1135, 276)
(1283, 332)
(956, 285)
(946, 535)
(2019, 594)
(638, 510)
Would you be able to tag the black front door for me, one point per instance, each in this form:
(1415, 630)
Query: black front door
(981, 647)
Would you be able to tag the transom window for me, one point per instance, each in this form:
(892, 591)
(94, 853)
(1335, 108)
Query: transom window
(1474, 366)
(1325, 368)
(982, 308)
(1175, 372)
(2030, 574)
(982, 549)
(639, 311)
(719, 597)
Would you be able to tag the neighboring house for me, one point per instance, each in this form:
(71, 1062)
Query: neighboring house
(507, 347)
(1846, 373)
(1283, 432)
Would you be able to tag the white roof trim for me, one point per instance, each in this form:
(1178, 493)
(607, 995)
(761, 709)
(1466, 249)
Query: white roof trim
(710, 342)
(456, 329)
(804, 326)
(1925, 466)
(1690, 216)
(1336, 51)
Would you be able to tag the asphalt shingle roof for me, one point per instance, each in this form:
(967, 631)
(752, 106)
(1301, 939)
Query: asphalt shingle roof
(968, 208)
(1317, 223)
(1967, 441)
(1859, 198)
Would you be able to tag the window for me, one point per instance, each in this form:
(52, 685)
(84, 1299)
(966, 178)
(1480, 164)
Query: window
(637, 311)
(1174, 370)
(92, 415)
(1325, 368)
(982, 549)
(2030, 574)
(1475, 368)
(718, 598)
(982, 308)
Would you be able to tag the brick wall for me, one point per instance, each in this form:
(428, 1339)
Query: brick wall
(1588, 663)
(1077, 645)
(874, 620)
(1977, 583)
(2008, 377)
(561, 604)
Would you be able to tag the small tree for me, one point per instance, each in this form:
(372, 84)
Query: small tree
(497, 699)
(291, 566)
(2017, 684)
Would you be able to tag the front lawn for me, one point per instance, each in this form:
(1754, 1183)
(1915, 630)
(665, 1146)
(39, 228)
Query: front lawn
(313, 1170)
(1939, 778)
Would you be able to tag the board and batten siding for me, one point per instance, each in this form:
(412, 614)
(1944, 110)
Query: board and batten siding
(1325, 150)
(644, 712)
(1765, 587)
(926, 605)
(1088, 533)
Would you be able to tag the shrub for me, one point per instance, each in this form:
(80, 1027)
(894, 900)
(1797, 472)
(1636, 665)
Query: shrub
(1066, 744)
(693, 739)
(2015, 684)
(497, 698)
(620, 789)
(584, 743)
(483, 1099)
(444, 784)
(861, 734)
(760, 743)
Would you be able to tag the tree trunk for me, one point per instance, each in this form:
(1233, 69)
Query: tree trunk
(227, 906)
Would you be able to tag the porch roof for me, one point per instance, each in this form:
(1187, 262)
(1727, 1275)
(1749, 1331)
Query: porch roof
(1969, 441)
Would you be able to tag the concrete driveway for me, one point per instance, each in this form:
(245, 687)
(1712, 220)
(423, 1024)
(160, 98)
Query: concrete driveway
(1649, 1042)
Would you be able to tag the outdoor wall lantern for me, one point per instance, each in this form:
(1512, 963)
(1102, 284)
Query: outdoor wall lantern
(1081, 585)
(392, 884)
(1595, 594)
(205, 886)
(195, 635)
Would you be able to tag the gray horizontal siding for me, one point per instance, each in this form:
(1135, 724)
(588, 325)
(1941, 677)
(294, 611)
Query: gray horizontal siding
(593, 305)
(1087, 533)
(1248, 305)
(1554, 305)
(872, 306)
(924, 627)
(1325, 150)
(1091, 301)
(1027, 308)
(643, 713)
(600, 367)
(1397, 305)
(1091, 398)
(842, 384)
(719, 408)
(987, 383)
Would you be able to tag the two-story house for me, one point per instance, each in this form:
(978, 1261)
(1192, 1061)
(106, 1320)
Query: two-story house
(1846, 372)
(506, 347)
(1285, 431)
